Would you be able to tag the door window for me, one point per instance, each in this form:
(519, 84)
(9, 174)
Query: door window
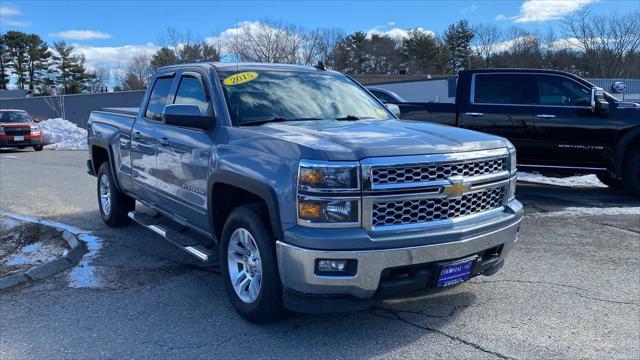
(159, 98)
(382, 96)
(191, 91)
(505, 89)
(561, 91)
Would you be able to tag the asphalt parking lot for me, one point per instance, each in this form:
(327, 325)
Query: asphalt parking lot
(571, 289)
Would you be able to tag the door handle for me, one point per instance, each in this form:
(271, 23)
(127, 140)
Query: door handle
(163, 141)
(136, 135)
(474, 114)
(545, 116)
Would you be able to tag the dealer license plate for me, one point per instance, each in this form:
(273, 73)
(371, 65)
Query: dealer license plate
(455, 273)
(18, 138)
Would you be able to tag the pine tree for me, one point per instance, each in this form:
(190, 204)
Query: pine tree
(38, 55)
(5, 59)
(72, 75)
(421, 53)
(457, 40)
(17, 48)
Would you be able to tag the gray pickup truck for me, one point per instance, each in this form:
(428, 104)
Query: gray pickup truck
(305, 190)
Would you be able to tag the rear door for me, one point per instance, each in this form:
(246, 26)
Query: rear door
(570, 134)
(499, 103)
(144, 135)
(184, 153)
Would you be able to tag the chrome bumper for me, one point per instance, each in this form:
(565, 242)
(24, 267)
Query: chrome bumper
(297, 265)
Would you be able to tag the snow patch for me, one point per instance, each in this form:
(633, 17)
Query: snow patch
(571, 181)
(590, 211)
(60, 134)
(83, 275)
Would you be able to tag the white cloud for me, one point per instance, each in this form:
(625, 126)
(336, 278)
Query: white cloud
(9, 11)
(6, 17)
(112, 56)
(544, 10)
(469, 9)
(396, 33)
(80, 35)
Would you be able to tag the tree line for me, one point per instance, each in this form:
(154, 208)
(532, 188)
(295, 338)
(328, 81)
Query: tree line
(41, 69)
(588, 45)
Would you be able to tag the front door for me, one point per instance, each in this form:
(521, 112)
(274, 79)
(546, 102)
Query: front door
(183, 156)
(571, 134)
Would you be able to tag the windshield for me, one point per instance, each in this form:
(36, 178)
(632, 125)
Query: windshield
(263, 96)
(14, 117)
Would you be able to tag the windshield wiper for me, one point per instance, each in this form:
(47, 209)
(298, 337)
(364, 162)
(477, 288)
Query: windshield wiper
(352, 118)
(274, 119)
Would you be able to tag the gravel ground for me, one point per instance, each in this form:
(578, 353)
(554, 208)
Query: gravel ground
(571, 289)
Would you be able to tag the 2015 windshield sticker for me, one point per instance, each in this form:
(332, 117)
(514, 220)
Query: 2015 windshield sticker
(240, 78)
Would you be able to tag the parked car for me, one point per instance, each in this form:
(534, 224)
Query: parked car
(18, 130)
(560, 123)
(386, 96)
(304, 188)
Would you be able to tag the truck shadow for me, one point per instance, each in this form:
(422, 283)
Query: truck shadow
(552, 197)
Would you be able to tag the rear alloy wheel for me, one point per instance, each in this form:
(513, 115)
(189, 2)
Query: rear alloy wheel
(249, 266)
(631, 175)
(114, 205)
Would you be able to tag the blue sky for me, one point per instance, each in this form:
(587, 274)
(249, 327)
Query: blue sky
(113, 30)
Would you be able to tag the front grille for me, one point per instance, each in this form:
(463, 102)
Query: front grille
(419, 211)
(434, 172)
(21, 131)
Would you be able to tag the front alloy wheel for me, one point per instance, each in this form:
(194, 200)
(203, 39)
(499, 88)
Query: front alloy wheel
(245, 267)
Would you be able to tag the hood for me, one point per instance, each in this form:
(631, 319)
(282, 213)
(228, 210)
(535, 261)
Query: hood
(17, 124)
(357, 140)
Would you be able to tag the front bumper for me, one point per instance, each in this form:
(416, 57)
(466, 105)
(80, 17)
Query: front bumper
(28, 140)
(297, 265)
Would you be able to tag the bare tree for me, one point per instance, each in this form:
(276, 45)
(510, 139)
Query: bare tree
(606, 40)
(485, 40)
(265, 41)
(138, 73)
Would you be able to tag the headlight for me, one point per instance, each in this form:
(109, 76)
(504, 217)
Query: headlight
(326, 176)
(328, 194)
(513, 168)
(35, 130)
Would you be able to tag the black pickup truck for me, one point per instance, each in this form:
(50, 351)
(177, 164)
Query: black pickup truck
(558, 122)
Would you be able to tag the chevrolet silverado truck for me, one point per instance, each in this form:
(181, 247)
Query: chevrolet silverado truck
(560, 123)
(18, 130)
(303, 188)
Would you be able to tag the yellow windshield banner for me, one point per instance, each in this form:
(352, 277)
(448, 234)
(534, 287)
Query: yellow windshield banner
(240, 78)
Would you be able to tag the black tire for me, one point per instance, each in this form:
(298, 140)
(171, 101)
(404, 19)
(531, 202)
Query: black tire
(267, 307)
(38, 147)
(21, 147)
(631, 175)
(609, 181)
(120, 204)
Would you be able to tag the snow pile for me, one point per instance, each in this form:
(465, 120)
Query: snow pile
(60, 134)
(571, 181)
(590, 211)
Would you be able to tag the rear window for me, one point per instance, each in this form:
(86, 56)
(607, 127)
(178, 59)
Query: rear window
(503, 89)
(159, 98)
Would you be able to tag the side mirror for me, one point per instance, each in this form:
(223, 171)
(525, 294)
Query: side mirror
(395, 109)
(186, 115)
(598, 101)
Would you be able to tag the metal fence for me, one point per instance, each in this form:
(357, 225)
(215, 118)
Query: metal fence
(75, 108)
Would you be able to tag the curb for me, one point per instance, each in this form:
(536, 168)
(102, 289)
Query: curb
(69, 259)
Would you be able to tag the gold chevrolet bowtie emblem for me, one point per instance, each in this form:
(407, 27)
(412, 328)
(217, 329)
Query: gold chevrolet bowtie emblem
(457, 188)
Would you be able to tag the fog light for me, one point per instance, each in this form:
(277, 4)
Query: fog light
(336, 267)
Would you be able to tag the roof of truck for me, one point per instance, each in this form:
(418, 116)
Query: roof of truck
(227, 66)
